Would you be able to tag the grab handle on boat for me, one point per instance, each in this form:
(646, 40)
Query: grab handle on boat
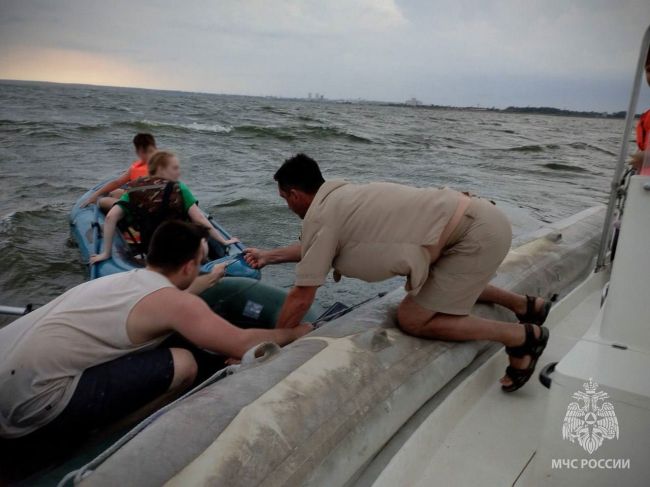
(545, 374)
(260, 353)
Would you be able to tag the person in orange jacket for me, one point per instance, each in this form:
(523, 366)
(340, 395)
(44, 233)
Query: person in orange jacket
(145, 146)
(643, 135)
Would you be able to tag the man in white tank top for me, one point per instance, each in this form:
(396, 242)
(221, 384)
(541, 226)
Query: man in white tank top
(93, 355)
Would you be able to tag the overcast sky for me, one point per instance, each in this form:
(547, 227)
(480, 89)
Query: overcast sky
(573, 54)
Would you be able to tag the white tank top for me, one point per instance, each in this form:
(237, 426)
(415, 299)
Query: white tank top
(43, 354)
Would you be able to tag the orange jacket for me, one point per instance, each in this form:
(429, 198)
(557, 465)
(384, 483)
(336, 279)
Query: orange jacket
(137, 170)
(643, 131)
(643, 139)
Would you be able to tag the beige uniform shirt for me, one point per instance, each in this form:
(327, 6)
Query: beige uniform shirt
(43, 354)
(373, 231)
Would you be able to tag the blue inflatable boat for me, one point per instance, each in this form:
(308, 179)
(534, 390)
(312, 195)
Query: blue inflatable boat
(86, 225)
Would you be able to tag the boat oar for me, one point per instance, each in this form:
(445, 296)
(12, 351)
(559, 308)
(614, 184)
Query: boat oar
(15, 310)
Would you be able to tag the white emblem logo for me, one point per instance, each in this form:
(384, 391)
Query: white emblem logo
(590, 422)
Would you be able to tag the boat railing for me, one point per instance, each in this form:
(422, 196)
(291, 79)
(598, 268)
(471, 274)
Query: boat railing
(605, 239)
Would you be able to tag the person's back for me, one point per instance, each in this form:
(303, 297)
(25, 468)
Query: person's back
(43, 354)
(386, 224)
(150, 201)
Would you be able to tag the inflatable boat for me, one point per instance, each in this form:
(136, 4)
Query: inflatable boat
(86, 226)
(317, 411)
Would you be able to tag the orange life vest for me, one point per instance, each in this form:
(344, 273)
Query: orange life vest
(643, 130)
(137, 170)
(643, 139)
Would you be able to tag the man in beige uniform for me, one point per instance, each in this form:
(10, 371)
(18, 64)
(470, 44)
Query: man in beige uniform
(447, 244)
(94, 354)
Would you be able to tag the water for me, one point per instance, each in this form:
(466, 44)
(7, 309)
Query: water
(56, 141)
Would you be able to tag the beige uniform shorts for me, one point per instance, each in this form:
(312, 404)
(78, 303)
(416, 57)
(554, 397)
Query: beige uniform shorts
(466, 265)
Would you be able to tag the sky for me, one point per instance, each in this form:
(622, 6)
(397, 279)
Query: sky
(578, 54)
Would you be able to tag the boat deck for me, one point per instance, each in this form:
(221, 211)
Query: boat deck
(480, 436)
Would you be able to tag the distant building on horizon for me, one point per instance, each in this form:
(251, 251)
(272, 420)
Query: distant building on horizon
(413, 102)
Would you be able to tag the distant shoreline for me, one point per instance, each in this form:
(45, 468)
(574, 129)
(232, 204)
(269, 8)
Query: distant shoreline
(528, 110)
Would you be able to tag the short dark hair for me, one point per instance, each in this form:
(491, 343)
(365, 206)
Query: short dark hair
(174, 243)
(299, 172)
(144, 141)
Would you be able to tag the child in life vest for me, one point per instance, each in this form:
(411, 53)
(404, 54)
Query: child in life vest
(643, 135)
(145, 146)
(163, 166)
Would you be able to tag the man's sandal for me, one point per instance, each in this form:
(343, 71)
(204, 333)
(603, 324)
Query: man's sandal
(532, 315)
(533, 347)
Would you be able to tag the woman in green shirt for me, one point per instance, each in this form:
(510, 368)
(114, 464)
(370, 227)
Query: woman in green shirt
(154, 199)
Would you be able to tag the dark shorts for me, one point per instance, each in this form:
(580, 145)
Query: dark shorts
(111, 390)
(104, 394)
(108, 392)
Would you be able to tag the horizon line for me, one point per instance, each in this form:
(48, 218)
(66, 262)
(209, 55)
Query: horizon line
(278, 97)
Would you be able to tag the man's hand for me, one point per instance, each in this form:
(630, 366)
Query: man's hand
(636, 160)
(256, 258)
(205, 281)
(231, 241)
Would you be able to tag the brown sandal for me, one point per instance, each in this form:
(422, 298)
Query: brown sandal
(532, 346)
(532, 315)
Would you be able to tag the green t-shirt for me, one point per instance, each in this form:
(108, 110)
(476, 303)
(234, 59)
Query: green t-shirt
(188, 197)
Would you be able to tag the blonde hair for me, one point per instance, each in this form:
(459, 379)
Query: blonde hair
(159, 160)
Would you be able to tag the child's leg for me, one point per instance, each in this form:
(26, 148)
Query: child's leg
(106, 203)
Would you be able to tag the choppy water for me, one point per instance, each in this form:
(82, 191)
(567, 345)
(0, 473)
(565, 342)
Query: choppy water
(56, 141)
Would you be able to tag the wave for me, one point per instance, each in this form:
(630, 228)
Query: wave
(558, 166)
(180, 127)
(293, 133)
(585, 146)
(259, 131)
(531, 148)
(44, 188)
(34, 215)
(274, 110)
(573, 145)
(234, 203)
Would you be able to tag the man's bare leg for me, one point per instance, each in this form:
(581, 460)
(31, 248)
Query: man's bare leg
(418, 321)
(513, 301)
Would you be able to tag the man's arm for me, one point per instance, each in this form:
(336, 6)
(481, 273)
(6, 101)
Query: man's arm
(170, 309)
(298, 302)
(107, 188)
(200, 325)
(258, 258)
